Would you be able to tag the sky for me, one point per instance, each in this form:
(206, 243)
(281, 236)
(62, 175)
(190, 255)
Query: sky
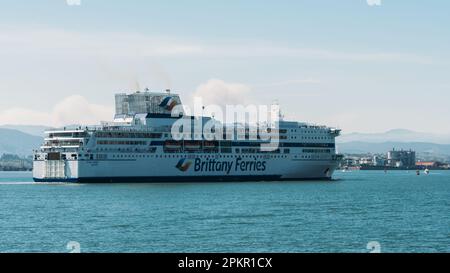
(361, 65)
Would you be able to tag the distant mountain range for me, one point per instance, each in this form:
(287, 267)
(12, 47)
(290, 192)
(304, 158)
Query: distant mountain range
(35, 130)
(397, 135)
(17, 142)
(425, 144)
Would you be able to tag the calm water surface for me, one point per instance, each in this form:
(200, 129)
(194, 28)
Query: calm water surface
(401, 211)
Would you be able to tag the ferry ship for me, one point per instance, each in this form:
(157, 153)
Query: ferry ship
(139, 145)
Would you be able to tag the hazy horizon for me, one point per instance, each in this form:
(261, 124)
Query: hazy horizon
(363, 68)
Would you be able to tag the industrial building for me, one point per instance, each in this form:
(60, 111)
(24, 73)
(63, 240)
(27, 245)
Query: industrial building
(401, 159)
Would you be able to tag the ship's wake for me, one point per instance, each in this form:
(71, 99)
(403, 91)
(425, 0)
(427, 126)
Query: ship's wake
(38, 183)
(17, 183)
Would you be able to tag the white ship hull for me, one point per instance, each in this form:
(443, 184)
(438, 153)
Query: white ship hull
(165, 170)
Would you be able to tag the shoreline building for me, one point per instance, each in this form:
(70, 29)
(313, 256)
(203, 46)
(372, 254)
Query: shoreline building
(401, 159)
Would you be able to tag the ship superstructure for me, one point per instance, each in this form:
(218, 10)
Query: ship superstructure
(139, 145)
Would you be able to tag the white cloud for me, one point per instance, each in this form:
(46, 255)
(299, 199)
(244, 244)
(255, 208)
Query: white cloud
(38, 41)
(71, 43)
(287, 82)
(22, 116)
(55, 60)
(230, 102)
(219, 92)
(72, 110)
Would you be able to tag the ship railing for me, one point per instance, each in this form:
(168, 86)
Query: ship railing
(45, 149)
(115, 128)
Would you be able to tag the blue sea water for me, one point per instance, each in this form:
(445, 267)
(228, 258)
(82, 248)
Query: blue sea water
(400, 211)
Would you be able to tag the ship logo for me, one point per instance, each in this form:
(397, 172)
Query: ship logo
(168, 103)
(183, 165)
